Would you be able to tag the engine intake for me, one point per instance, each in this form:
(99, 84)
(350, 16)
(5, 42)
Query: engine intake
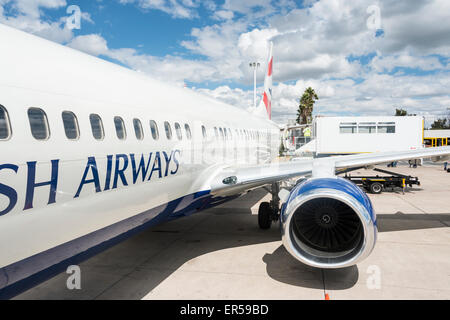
(328, 223)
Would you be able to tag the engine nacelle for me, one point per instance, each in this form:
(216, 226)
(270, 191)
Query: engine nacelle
(328, 223)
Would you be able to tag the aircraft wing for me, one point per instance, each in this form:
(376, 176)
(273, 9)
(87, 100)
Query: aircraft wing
(386, 157)
(234, 180)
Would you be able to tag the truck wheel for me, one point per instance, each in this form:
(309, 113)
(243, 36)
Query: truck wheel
(376, 187)
(264, 215)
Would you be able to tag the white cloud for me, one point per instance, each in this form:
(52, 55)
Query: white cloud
(388, 63)
(223, 15)
(169, 68)
(27, 16)
(417, 25)
(31, 8)
(378, 95)
(312, 46)
(185, 9)
(261, 7)
(93, 44)
(236, 97)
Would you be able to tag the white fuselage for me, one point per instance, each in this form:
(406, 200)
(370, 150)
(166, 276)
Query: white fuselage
(109, 182)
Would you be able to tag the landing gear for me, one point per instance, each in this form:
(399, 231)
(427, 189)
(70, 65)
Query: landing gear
(269, 211)
(264, 215)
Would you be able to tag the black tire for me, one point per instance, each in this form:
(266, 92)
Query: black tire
(264, 216)
(376, 188)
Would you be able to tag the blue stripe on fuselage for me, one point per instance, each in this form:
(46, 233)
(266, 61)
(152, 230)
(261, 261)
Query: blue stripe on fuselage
(27, 273)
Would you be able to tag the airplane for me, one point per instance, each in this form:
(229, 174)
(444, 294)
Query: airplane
(92, 152)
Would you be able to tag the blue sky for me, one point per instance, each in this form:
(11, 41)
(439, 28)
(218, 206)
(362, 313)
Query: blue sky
(364, 58)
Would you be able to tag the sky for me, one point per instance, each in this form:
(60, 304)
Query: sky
(362, 57)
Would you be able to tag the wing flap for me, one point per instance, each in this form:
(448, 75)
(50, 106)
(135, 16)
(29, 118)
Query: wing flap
(386, 157)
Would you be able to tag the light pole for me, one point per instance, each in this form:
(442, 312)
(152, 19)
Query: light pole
(254, 65)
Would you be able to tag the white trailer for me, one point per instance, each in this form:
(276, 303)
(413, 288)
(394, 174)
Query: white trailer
(348, 135)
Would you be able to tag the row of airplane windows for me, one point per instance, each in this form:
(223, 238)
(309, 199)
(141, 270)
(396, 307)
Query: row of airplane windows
(40, 128)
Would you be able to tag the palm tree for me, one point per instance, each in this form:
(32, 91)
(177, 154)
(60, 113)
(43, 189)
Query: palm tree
(400, 113)
(305, 109)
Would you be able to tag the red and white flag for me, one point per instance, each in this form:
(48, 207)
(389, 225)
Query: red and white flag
(266, 101)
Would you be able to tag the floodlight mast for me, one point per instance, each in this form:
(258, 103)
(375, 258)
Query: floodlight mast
(254, 65)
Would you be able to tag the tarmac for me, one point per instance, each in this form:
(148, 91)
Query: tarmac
(222, 254)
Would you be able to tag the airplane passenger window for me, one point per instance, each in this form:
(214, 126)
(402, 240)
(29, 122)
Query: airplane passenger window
(216, 133)
(205, 136)
(71, 125)
(5, 128)
(168, 130)
(225, 133)
(138, 129)
(120, 128)
(188, 131)
(97, 126)
(154, 129)
(38, 123)
(221, 134)
(178, 131)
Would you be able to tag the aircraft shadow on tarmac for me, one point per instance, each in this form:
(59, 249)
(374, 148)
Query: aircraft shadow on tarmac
(188, 239)
(282, 267)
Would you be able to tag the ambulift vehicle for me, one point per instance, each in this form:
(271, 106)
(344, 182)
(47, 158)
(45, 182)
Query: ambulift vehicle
(376, 184)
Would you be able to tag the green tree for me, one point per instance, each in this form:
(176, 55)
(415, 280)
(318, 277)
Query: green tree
(400, 113)
(306, 107)
(440, 124)
(403, 113)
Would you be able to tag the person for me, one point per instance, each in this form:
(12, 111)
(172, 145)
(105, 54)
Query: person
(307, 132)
(445, 165)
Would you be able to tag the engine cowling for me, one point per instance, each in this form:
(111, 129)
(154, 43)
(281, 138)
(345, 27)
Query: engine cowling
(328, 223)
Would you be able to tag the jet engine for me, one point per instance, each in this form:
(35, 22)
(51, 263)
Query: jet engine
(328, 223)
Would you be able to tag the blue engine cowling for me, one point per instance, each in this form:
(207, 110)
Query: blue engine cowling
(328, 223)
